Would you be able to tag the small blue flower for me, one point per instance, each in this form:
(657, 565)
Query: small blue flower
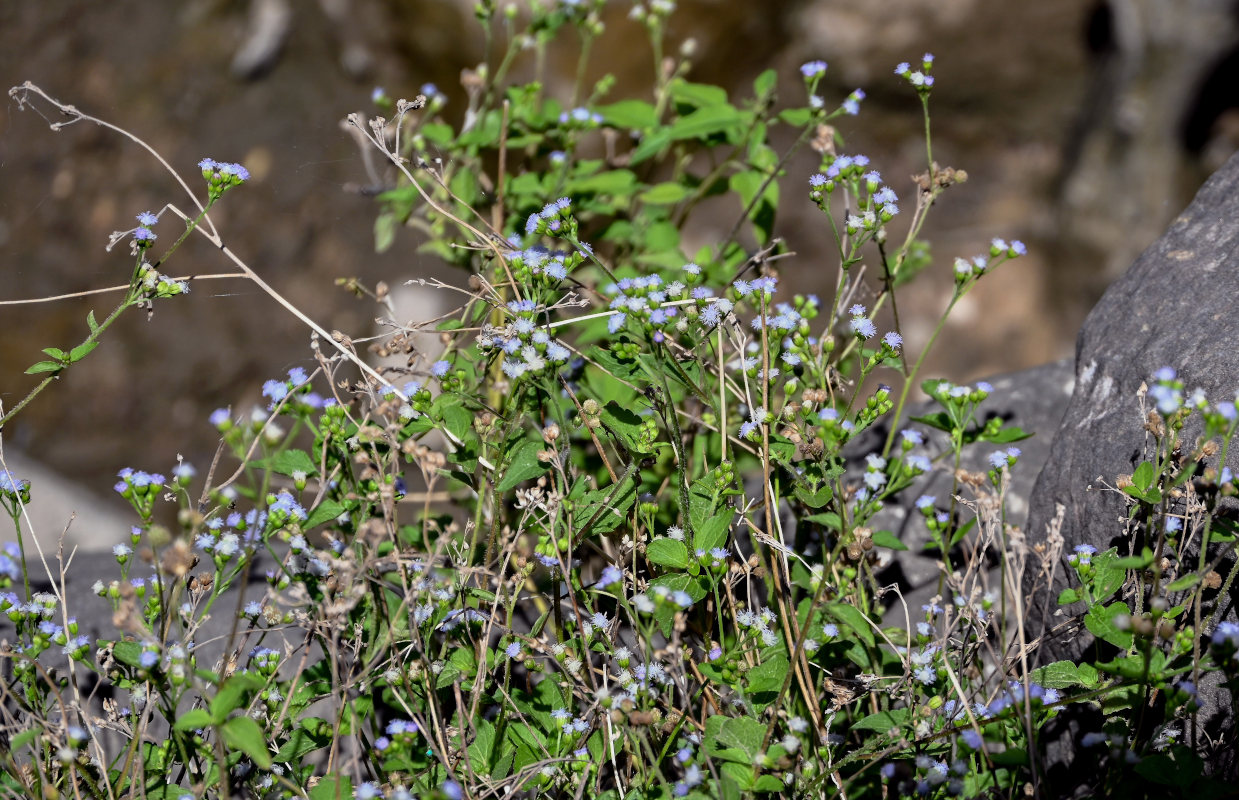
(864, 327)
(812, 68)
(893, 340)
(440, 368)
(144, 235)
(146, 219)
(611, 574)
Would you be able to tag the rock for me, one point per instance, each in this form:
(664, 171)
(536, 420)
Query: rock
(1174, 307)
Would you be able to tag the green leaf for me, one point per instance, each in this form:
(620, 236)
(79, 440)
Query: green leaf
(743, 733)
(625, 425)
(882, 721)
(81, 351)
(713, 531)
(1186, 582)
(706, 122)
(243, 733)
(385, 226)
(56, 353)
(1068, 596)
(765, 83)
(650, 145)
(289, 461)
(193, 719)
(457, 420)
(1100, 622)
(1005, 436)
(90, 321)
(325, 511)
(314, 733)
(850, 615)
(24, 738)
(941, 421)
(698, 95)
(630, 114)
(667, 553)
(482, 750)
(129, 653)
(232, 693)
(888, 539)
(768, 783)
(333, 787)
(614, 509)
(1142, 561)
(664, 613)
(796, 117)
(1108, 576)
(45, 366)
(524, 465)
(664, 194)
(813, 498)
(1062, 674)
(768, 677)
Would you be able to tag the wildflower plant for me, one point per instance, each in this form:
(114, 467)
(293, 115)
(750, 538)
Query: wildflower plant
(616, 537)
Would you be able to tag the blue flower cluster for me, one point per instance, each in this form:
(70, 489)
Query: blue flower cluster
(528, 348)
(555, 219)
(656, 306)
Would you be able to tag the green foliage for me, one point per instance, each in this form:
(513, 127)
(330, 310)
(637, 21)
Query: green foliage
(617, 537)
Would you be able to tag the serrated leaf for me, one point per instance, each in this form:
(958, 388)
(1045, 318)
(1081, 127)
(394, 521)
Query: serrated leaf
(524, 465)
(713, 532)
(768, 676)
(243, 733)
(667, 553)
(888, 539)
(193, 719)
(1100, 622)
(743, 733)
(1062, 674)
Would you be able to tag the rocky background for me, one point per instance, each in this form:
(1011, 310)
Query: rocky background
(1085, 127)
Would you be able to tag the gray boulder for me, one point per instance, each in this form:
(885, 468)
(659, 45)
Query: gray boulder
(1174, 307)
